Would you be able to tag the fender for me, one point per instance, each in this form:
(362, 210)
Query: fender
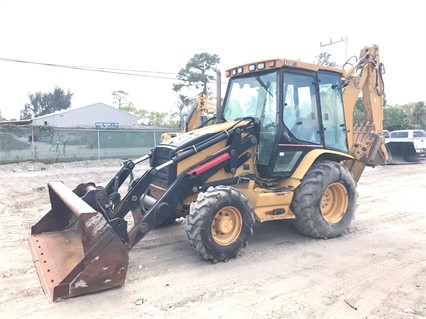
(312, 156)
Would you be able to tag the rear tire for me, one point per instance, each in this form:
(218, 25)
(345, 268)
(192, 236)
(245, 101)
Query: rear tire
(325, 201)
(220, 223)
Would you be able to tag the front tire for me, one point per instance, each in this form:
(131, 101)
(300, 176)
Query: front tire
(325, 201)
(220, 223)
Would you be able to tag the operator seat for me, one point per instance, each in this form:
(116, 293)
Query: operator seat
(306, 129)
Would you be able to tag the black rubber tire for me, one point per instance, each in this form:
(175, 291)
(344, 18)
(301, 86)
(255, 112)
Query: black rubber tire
(214, 210)
(318, 214)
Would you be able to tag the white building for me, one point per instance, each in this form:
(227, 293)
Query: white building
(98, 115)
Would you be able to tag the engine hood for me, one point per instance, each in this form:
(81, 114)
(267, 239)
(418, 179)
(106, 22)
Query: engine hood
(199, 135)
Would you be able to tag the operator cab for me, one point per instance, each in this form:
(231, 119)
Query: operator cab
(299, 107)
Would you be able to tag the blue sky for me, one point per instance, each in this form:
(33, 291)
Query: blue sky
(163, 35)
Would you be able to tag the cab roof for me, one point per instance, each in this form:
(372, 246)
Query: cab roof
(278, 63)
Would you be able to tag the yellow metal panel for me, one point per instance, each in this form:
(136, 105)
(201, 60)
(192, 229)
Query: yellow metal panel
(269, 204)
(310, 158)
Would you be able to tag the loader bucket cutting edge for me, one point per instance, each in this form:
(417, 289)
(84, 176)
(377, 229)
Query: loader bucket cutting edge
(401, 153)
(74, 249)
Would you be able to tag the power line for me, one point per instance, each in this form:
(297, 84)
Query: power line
(130, 72)
(98, 69)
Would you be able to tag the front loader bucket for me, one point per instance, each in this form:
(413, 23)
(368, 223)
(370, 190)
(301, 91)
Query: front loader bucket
(74, 249)
(401, 152)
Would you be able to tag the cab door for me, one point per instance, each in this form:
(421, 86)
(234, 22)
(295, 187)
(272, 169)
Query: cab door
(299, 121)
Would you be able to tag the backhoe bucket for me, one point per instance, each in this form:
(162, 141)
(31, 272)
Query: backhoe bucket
(400, 152)
(74, 249)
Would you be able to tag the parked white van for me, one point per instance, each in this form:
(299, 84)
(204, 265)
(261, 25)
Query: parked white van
(417, 136)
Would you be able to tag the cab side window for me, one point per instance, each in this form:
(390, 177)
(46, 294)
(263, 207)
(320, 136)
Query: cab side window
(332, 112)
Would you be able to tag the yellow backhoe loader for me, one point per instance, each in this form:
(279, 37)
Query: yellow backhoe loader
(283, 147)
(201, 113)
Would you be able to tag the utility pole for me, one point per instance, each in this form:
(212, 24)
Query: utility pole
(338, 41)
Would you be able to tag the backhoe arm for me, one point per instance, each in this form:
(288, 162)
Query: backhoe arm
(366, 142)
(365, 77)
(194, 115)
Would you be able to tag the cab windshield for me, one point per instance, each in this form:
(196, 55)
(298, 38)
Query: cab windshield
(252, 96)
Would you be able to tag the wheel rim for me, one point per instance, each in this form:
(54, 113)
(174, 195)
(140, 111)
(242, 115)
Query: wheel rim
(334, 202)
(227, 225)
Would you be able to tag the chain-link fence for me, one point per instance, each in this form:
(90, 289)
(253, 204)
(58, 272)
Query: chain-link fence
(50, 144)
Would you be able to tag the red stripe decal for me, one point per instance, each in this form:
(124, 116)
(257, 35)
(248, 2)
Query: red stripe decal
(206, 166)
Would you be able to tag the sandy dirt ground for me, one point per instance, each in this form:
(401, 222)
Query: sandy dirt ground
(377, 269)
